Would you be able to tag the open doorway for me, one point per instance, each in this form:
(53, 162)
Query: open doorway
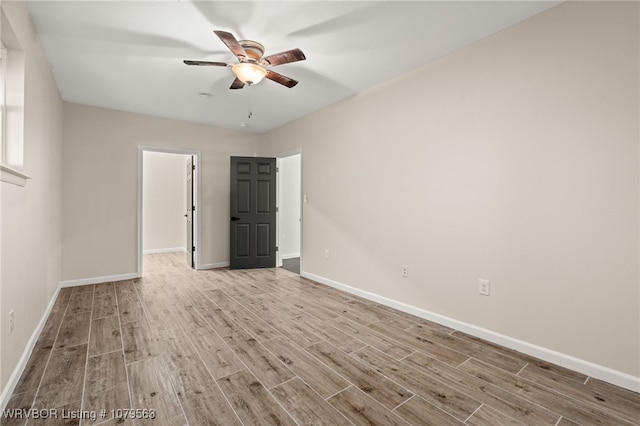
(167, 203)
(289, 211)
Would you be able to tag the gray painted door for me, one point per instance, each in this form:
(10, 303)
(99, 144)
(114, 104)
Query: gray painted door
(253, 213)
(189, 215)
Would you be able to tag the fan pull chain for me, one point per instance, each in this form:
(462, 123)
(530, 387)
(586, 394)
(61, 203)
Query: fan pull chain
(250, 105)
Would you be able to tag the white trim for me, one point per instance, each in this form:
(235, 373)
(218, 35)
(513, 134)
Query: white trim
(290, 256)
(166, 250)
(588, 368)
(98, 280)
(289, 153)
(214, 265)
(13, 176)
(196, 200)
(26, 354)
(278, 215)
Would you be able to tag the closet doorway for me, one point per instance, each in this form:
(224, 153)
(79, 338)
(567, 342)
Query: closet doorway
(290, 211)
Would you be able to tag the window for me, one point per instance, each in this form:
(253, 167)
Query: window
(3, 72)
(11, 106)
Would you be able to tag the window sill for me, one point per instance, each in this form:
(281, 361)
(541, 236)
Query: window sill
(13, 176)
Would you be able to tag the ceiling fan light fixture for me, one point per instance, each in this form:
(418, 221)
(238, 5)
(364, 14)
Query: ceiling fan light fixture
(249, 73)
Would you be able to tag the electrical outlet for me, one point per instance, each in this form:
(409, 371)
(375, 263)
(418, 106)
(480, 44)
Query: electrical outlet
(483, 287)
(11, 321)
(405, 271)
(327, 254)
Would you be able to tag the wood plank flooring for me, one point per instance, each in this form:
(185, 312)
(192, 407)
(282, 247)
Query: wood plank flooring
(266, 346)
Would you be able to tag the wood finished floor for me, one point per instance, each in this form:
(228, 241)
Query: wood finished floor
(269, 347)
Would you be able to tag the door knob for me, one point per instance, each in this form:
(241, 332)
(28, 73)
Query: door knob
(234, 218)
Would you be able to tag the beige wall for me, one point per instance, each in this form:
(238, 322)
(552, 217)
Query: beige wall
(31, 215)
(99, 232)
(515, 160)
(164, 202)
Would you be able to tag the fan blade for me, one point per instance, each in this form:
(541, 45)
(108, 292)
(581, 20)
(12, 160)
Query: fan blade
(237, 84)
(279, 78)
(293, 55)
(215, 64)
(232, 44)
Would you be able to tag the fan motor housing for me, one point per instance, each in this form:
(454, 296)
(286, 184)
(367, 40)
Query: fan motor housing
(254, 50)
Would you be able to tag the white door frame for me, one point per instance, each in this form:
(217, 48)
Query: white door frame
(297, 151)
(196, 198)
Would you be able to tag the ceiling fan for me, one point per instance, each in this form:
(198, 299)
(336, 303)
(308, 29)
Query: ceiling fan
(253, 67)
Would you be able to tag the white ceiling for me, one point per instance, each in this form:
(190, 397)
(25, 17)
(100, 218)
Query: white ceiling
(127, 55)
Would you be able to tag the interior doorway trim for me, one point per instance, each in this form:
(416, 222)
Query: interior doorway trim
(196, 198)
(279, 156)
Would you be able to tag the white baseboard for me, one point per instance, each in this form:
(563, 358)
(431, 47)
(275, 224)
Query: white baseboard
(214, 265)
(26, 354)
(290, 256)
(98, 280)
(590, 369)
(165, 250)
